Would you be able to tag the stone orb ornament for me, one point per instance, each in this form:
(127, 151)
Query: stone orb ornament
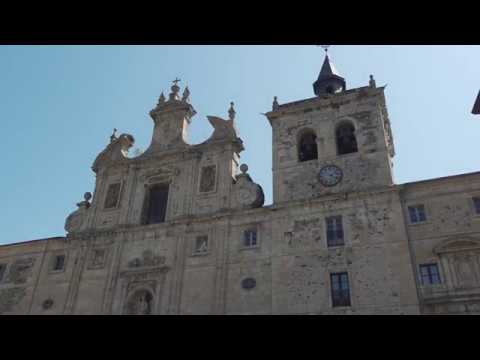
(247, 193)
(244, 168)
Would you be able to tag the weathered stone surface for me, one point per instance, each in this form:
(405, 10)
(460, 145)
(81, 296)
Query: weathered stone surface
(20, 271)
(10, 298)
(115, 264)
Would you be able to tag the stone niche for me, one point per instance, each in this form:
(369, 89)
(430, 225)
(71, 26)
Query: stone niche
(113, 195)
(460, 260)
(208, 179)
(139, 291)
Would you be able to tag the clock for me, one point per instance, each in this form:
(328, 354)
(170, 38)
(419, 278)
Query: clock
(330, 175)
(246, 196)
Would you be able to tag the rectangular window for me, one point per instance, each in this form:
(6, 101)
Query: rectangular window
(340, 289)
(3, 267)
(157, 204)
(59, 262)
(429, 274)
(201, 244)
(476, 205)
(417, 214)
(250, 238)
(113, 194)
(334, 231)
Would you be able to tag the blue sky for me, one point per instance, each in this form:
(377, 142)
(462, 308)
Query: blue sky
(59, 105)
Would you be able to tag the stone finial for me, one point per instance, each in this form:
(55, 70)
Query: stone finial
(244, 168)
(186, 95)
(231, 112)
(161, 99)
(275, 104)
(86, 203)
(113, 137)
(175, 89)
(372, 82)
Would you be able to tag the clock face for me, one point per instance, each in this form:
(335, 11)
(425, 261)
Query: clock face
(245, 196)
(330, 175)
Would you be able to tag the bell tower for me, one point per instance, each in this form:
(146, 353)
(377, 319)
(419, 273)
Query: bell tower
(339, 141)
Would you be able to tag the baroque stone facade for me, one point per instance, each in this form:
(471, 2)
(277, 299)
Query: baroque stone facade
(182, 229)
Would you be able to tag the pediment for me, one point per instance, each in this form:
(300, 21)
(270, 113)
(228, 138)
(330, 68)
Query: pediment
(465, 243)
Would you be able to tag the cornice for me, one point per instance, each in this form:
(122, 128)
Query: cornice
(318, 103)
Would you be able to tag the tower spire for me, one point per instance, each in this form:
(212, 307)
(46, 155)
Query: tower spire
(329, 80)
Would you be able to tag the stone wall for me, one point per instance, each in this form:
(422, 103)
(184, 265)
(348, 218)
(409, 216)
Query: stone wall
(287, 272)
(450, 238)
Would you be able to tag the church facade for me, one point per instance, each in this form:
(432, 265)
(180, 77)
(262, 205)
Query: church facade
(183, 229)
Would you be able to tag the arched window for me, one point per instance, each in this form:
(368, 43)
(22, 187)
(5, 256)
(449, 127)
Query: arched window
(346, 140)
(307, 146)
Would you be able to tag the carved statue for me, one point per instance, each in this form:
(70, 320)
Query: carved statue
(140, 303)
(117, 150)
(231, 112)
(275, 103)
(144, 304)
(186, 95)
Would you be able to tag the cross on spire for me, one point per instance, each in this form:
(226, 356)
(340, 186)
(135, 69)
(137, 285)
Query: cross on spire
(175, 89)
(325, 47)
(329, 80)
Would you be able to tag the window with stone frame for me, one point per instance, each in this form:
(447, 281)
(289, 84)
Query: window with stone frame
(207, 179)
(113, 196)
(334, 227)
(307, 146)
(201, 244)
(156, 201)
(476, 205)
(417, 214)
(58, 262)
(98, 257)
(340, 289)
(429, 274)
(3, 268)
(346, 139)
(250, 238)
